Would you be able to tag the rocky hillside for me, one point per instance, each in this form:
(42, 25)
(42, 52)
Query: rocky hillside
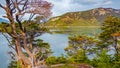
(91, 17)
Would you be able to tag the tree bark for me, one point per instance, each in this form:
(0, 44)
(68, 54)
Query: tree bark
(21, 56)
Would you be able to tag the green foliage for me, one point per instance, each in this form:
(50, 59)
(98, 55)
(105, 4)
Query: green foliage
(111, 25)
(43, 49)
(61, 59)
(5, 27)
(51, 60)
(79, 47)
(33, 28)
(102, 60)
(14, 64)
(40, 43)
(56, 60)
(77, 43)
(80, 57)
(116, 61)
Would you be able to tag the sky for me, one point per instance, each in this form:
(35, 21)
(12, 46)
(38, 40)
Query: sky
(63, 6)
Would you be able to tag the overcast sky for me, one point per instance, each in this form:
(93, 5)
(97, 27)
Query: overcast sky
(62, 6)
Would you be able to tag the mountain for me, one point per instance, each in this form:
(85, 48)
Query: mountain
(92, 17)
(3, 20)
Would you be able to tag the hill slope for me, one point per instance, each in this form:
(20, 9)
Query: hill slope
(91, 17)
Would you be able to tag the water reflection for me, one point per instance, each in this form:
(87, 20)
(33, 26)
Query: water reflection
(57, 42)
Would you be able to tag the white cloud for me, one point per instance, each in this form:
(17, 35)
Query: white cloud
(108, 3)
(93, 2)
(103, 3)
(63, 6)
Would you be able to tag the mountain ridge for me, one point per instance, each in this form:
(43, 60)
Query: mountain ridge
(92, 17)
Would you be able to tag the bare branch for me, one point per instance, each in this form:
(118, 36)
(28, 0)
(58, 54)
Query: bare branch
(24, 5)
(2, 6)
(19, 22)
(12, 55)
(31, 16)
(20, 1)
(10, 44)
